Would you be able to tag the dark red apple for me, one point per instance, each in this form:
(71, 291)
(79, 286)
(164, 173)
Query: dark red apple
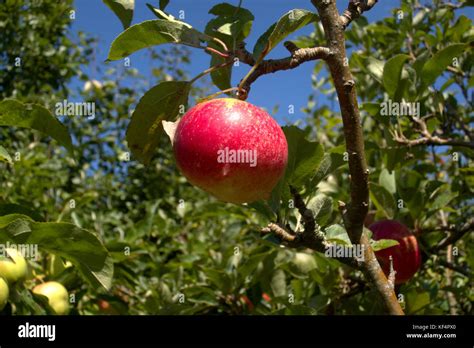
(106, 308)
(232, 149)
(406, 255)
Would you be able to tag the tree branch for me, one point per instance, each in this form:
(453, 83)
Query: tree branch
(280, 232)
(298, 56)
(428, 138)
(354, 10)
(436, 141)
(464, 270)
(311, 238)
(455, 235)
(355, 212)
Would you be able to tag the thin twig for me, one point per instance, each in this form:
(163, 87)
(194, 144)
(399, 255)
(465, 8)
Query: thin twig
(220, 54)
(428, 138)
(259, 68)
(455, 235)
(220, 42)
(212, 96)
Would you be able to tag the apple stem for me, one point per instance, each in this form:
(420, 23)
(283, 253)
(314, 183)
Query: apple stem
(242, 82)
(212, 96)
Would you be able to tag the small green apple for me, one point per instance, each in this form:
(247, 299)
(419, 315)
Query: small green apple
(4, 292)
(303, 263)
(57, 295)
(14, 267)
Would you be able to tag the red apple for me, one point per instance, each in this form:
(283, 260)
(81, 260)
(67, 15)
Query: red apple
(406, 255)
(247, 302)
(266, 297)
(231, 149)
(106, 308)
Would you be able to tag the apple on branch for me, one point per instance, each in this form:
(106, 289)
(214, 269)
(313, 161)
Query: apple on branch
(4, 293)
(230, 148)
(406, 255)
(57, 295)
(13, 268)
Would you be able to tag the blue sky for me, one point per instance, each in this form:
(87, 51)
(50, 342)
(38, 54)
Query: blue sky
(284, 88)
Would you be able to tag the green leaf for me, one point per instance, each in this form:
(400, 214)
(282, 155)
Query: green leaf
(160, 13)
(263, 208)
(152, 33)
(123, 9)
(82, 247)
(98, 277)
(218, 279)
(383, 200)
(375, 68)
(4, 156)
(262, 48)
(233, 24)
(303, 159)
(420, 16)
(222, 78)
(11, 208)
(416, 300)
(225, 9)
(461, 27)
(287, 24)
(383, 244)
(392, 72)
(27, 303)
(387, 180)
(337, 234)
(34, 116)
(318, 302)
(441, 197)
(160, 103)
(330, 162)
(77, 245)
(321, 206)
(248, 267)
(163, 4)
(14, 227)
(304, 156)
(435, 66)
